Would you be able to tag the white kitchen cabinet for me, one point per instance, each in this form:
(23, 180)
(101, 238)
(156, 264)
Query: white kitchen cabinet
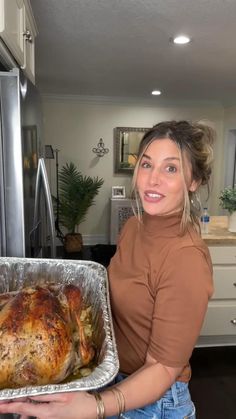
(30, 33)
(18, 31)
(219, 327)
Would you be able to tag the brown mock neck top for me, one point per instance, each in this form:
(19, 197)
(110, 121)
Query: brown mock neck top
(160, 284)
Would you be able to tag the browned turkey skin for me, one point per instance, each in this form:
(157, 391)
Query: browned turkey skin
(42, 338)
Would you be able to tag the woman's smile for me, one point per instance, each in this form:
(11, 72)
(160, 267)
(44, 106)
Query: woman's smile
(152, 196)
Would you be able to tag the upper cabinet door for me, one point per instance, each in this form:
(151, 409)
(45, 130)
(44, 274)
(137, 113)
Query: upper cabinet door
(12, 27)
(18, 30)
(30, 33)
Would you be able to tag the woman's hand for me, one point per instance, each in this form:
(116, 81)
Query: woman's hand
(54, 406)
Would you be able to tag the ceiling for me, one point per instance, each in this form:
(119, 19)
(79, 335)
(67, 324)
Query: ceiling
(121, 48)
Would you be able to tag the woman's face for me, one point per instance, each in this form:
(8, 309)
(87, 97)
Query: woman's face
(160, 181)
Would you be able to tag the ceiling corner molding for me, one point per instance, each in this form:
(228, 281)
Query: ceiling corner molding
(114, 100)
(98, 99)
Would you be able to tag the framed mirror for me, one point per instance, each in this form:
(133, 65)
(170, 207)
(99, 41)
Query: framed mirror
(126, 144)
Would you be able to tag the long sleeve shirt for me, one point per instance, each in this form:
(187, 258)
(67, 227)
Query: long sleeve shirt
(160, 284)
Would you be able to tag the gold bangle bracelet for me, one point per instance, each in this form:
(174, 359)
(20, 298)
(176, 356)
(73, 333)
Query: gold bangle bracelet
(100, 406)
(119, 399)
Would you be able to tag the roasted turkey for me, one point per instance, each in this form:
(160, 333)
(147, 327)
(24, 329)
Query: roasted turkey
(42, 336)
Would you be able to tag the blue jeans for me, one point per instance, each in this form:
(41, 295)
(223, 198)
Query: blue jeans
(175, 404)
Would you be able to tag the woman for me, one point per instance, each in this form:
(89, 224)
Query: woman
(160, 282)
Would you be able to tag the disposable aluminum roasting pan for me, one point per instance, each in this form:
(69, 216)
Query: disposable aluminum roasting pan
(91, 278)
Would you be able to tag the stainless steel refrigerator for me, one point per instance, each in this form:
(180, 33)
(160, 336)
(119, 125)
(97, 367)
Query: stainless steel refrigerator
(27, 226)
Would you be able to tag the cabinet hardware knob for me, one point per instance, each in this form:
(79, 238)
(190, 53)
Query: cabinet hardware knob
(234, 284)
(28, 36)
(233, 321)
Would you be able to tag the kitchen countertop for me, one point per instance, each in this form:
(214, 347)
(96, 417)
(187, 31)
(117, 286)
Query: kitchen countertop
(218, 232)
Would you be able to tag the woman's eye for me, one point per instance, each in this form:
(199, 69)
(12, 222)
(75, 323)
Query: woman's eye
(145, 164)
(171, 169)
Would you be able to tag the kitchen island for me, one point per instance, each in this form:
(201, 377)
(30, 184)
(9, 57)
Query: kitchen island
(219, 328)
(218, 232)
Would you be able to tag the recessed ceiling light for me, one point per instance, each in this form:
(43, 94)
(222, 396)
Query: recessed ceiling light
(181, 40)
(156, 92)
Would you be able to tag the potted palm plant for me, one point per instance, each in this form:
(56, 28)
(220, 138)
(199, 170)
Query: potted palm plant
(228, 201)
(76, 194)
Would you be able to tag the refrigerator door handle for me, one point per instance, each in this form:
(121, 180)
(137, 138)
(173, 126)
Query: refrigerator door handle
(42, 174)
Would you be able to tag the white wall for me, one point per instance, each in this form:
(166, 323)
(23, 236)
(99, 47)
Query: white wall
(229, 144)
(75, 127)
(230, 118)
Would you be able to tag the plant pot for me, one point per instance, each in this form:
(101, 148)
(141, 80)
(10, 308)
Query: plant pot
(73, 243)
(232, 222)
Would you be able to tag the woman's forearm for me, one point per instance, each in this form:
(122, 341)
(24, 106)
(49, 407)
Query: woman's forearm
(145, 386)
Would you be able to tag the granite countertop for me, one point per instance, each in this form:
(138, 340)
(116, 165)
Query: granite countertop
(218, 232)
